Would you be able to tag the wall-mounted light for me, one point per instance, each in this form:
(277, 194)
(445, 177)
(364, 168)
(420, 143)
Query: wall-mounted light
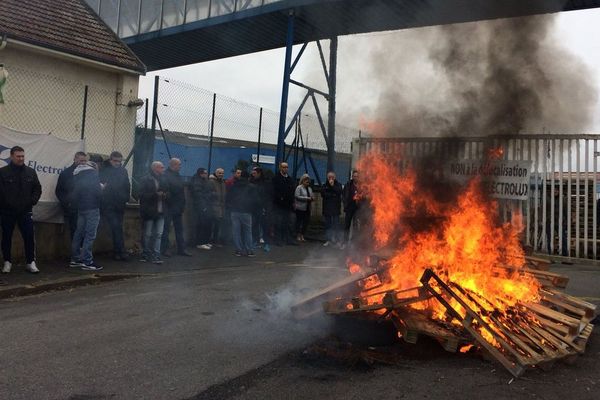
(137, 103)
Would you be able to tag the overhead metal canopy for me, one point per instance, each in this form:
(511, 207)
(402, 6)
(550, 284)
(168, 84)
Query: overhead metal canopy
(264, 27)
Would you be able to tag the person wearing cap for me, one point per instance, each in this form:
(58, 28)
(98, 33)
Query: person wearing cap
(203, 195)
(86, 197)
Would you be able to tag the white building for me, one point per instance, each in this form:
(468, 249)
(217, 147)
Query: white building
(51, 51)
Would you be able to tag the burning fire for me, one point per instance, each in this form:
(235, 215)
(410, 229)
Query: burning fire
(460, 239)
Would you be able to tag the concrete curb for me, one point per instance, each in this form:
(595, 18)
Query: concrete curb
(12, 291)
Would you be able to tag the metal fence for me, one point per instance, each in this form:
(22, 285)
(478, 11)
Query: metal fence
(68, 109)
(185, 108)
(561, 213)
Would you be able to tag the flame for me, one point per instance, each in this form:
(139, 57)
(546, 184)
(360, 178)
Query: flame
(372, 127)
(460, 240)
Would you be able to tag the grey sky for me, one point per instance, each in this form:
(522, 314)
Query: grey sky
(256, 78)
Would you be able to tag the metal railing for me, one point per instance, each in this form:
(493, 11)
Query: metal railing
(133, 17)
(561, 212)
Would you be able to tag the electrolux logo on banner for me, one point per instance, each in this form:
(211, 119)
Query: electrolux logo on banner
(44, 169)
(4, 155)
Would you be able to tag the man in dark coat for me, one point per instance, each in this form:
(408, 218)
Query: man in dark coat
(203, 196)
(20, 190)
(153, 195)
(242, 199)
(332, 203)
(260, 216)
(351, 203)
(64, 190)
(86, 197)
(283, 201)
(115, 179)
(175, 208)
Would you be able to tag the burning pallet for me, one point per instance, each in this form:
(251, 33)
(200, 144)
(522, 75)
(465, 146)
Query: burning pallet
(520, 336)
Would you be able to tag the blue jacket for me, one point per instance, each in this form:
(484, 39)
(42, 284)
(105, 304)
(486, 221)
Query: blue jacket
(87, 192)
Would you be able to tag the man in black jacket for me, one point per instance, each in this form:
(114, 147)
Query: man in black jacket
(115, 179)
(153, 195)
(260, 215)
(351, 203)
(87, 195)
(242, 199)
(332, 202)
(175, 208)
(20, 190)
(64, 191)
(203, 196)
(283, 201)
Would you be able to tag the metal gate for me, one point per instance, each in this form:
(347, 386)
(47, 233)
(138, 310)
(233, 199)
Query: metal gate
(561, 213)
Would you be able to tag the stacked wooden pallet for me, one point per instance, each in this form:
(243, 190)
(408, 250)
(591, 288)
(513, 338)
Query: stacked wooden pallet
(519, 336)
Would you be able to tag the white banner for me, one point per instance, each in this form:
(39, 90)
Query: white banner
(48, 156)
(503, 179)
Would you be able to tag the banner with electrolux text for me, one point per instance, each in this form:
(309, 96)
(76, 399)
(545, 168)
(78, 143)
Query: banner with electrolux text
(48, 156)
(502, 179)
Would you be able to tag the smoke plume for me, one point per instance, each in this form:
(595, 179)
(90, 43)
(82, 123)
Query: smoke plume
(477, 79)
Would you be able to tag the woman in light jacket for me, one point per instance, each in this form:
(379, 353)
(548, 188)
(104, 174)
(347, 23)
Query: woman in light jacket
(303, 198)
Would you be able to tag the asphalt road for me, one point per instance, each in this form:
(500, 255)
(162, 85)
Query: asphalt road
(168, 337)
(225, 333)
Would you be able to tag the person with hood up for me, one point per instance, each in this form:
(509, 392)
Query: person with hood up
(86, 197)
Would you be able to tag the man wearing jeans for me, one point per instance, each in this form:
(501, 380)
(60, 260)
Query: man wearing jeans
(20, 190)
(153, 195)
(86, 197)
(64, 192)
(242, 201)
(116, 194)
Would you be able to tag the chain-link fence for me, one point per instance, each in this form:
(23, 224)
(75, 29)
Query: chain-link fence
(187, 117)
(188, 109)
(69, 109)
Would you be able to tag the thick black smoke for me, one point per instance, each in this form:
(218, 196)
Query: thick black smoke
(504, 76)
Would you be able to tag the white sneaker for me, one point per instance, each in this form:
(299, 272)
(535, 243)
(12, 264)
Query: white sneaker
(261, 241)
(326, 244)
(342, 246)
(7, 267)
(32, 268)
(203, 247)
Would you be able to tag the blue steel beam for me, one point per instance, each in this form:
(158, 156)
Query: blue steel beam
(264, 27)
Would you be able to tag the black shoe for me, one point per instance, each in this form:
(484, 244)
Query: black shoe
(251, 254)
(157, 260)
(238, 254)
(166, 254)
(185, 254)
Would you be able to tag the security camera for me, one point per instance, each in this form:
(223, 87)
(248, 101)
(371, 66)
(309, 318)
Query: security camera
(137, 103)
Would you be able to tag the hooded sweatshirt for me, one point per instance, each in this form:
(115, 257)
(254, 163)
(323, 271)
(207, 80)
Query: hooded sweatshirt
(87, 191)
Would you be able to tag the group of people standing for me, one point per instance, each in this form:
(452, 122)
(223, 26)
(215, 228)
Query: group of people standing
(246, 209)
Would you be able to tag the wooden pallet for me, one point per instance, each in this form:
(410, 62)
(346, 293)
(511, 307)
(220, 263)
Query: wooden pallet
(520, 339)
(546, 278)
(387, 300)
(411, 325)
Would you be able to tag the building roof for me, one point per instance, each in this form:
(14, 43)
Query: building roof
(67, 26)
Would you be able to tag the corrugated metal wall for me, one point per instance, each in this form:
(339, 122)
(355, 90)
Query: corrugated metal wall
(561, 214)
